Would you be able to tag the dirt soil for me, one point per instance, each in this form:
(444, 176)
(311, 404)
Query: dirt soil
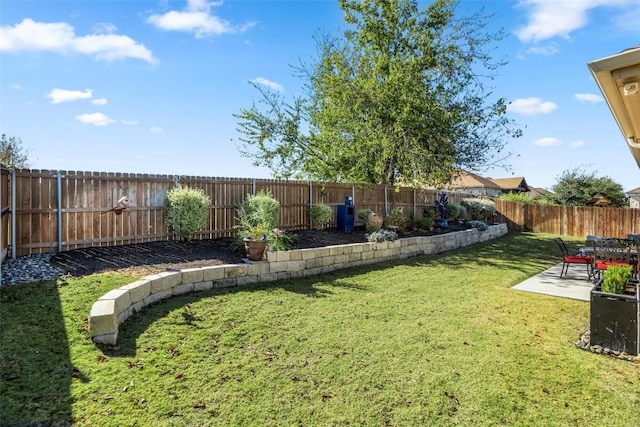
(154, 257)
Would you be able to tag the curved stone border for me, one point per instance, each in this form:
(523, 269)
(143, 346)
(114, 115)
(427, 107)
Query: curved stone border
(116, 306)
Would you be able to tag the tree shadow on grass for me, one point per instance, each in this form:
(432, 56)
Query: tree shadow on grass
(35, 364)
(136, 325)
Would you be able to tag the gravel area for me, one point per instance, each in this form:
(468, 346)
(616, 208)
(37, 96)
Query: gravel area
(28, 269)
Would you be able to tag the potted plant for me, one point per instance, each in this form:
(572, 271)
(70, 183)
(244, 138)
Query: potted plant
(255, 241)
(614, 311)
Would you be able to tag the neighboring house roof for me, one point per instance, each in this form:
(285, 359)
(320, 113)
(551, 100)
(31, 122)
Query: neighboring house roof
(538, 193)
(618, 77)
(632, 192)
(510, 184)
(465, 180)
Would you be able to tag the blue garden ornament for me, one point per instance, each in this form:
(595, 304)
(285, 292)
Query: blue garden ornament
(442, 204)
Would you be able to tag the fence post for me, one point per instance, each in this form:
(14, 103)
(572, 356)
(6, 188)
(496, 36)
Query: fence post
(310, 204)
(253, 186)
(14, 232)
(59, 207)
(386, 207)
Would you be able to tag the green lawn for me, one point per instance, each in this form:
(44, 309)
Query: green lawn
(432, 340)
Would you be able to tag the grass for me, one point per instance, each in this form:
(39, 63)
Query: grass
(433, 340)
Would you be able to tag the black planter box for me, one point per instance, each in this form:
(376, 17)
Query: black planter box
(615, 319)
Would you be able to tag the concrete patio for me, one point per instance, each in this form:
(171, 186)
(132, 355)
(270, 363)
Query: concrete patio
(574, 285)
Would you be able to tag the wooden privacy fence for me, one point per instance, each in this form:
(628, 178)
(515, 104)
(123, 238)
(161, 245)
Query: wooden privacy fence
(62, 210)
(575, 221)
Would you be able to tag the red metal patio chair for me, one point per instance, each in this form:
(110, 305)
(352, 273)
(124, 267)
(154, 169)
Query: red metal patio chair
(568, 259)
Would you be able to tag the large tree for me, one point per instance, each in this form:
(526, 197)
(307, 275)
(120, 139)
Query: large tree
(576, 187)
(401, 97)
(12, 153)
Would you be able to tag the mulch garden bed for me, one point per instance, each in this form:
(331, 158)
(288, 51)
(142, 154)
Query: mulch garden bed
(153, 257)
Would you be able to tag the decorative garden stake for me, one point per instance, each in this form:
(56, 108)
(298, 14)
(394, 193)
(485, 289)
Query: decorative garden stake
(442, 204)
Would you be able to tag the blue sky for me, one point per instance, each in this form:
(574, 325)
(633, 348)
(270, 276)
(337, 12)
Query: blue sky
(152, 86)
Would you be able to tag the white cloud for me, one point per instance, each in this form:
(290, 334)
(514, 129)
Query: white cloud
(577, 144)
(59, 37)
(129, 122)
(99, 101)
(554, 18)
(531, 106)
(15, 86)
(197, 18)
(156, 129)
(268, 83)
(96, 119)
(547, 50)
(104, 28)
(58, 96)
(547, 142)
(588, 97)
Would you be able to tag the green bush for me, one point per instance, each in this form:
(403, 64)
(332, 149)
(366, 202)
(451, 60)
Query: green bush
(518, 197)
(186, 210)
(397, 219)
(321, 215)
(615, 278)
(428, 219)
(363, 214)
(260, 208)
(479, 209)
(454, 211)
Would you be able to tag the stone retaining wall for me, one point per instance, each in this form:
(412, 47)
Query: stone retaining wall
(118, 305)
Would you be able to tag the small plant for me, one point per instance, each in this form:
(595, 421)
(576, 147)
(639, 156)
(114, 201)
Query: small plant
(186, 210)
(454, 211)
(383, 235)
(615, 278)
(279, 240)
(321, 215)
(259, 231)
(428, 219)
(363, 214)
(261, 208)
(397, 219)
(480, 225)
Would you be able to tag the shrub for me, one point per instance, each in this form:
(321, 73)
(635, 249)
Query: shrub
(479, 209)
(518, 197)
(462, 213)
(280, 240)
(383, 235)
(320, 215)
(615, 278)
(397, 219)
(454, 211)
(260, 208)
(428, 219)
(363, 214)
(480, 225)
(186, 210)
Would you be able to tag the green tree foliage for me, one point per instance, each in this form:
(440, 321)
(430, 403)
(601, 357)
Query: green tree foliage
(576, 187)
(12, 153)
(186, 210)
(401, 97)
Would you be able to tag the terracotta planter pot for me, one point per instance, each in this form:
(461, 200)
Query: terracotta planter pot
(255, 249)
